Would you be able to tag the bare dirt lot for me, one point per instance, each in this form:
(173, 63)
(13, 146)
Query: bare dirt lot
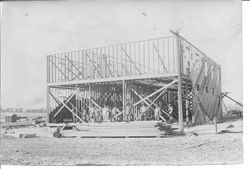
(206, 148)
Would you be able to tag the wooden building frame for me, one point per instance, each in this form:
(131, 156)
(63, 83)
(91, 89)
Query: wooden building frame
(166, 68)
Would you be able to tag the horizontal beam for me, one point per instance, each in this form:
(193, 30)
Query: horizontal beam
(113, 79)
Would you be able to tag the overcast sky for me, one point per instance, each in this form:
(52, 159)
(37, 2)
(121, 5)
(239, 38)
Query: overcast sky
(32, 30)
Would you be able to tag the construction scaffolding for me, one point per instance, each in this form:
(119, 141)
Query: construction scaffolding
(131, 80)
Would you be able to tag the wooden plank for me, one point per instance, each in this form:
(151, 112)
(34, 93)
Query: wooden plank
(117, 129)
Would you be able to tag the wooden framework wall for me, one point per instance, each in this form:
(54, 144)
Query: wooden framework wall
(156, 63)
(154, 56)
(205, 75)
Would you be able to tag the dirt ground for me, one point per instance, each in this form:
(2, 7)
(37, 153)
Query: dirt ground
(206, 148)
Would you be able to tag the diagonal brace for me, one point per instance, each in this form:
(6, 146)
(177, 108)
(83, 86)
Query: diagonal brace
(157, 91)
(131, 60)
(146, 102)
(62, 106)
(66, 77)
(96, 68)
(162, 62)
(71, 62)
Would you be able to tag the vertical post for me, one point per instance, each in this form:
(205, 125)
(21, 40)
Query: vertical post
(179, 55)
(48, 104)
(187, 118)
(89, 94)
(48, 80)
(192, 119)
(215, 124)
(77, 101)
(48, 66)
(73, 109)
(123, 98)
(51, 71)
(220, 93)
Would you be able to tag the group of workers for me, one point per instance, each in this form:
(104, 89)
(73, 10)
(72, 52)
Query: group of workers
(97, 114)
(107, 114)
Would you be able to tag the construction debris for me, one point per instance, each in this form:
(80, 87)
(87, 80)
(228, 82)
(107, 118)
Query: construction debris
(230, 126)
(27, 136)
(190, 134)
(166, 128)
(223, 132)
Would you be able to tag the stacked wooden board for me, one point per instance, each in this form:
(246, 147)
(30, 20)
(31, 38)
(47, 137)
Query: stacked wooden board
(118, 130)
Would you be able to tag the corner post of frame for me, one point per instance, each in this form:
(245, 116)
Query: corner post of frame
(179, 69)
(48, 89)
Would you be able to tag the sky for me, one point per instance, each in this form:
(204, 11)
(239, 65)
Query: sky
(32, 30)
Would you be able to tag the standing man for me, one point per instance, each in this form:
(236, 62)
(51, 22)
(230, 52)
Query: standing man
(128, 109)
(170, 110)
(105, 113)
(143, 111)
(84, 113)
(114, 112)
(91, 113)
(96, 115)
(157, 112)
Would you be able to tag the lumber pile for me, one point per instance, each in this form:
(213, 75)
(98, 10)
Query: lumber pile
(120, 130)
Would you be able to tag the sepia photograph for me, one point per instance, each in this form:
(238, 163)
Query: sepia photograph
(121, 83)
